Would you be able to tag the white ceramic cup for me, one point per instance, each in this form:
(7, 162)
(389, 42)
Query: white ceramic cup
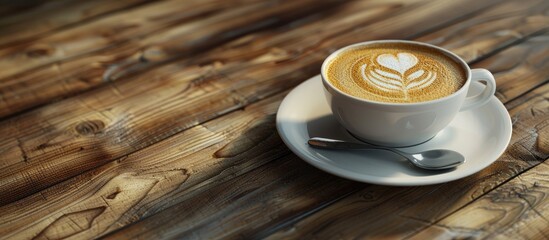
(404, 124)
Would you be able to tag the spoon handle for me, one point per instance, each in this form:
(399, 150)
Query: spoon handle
(328, 143)
(339, 144)
(319, 142)
(335, 144)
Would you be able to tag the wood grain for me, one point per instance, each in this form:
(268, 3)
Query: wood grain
(520, 68)
(99, 34)
(494, 28)
(132, 187)
(45, 17)
(68, 77)
(130, 115)
(376, 198)
(107, 112)
(179, 151)
(405, 210)
(516, 210)
(95, 53)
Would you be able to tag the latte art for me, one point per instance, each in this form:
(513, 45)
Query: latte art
(395, 73)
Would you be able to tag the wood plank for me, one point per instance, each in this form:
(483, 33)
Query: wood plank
(234, 145)
(92, 54)
(502, 25)
(69, 133)
(516, 210)
(363, 207)
(80, 187)
(92, 126)
(70, 77)
(45, 17)
(240, 212)
(407, 211)
(125, 116)
(100, 34)
(519, 208)
(520, 67)
(116, 193)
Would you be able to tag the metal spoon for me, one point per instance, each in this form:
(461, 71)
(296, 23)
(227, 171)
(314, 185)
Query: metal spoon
(437, 159)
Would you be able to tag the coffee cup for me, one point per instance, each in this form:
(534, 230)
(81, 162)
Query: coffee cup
(399, 93)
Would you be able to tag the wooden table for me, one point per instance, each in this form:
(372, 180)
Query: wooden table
(139, 119)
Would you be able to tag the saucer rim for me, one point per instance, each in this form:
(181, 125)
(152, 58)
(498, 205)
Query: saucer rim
(390, 181)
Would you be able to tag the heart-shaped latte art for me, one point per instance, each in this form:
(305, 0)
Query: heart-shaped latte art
(401, 63)
(399, 79)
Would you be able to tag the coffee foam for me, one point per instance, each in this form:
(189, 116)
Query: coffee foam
(395, 72)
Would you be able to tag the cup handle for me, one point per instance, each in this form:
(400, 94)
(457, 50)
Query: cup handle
(479, 75)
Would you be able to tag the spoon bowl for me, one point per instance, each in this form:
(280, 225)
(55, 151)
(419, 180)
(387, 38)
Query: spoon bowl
(437, 159)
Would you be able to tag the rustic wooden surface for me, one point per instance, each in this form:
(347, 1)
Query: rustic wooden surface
(156, 119)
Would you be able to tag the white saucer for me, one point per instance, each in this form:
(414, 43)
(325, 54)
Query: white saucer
(481, 135)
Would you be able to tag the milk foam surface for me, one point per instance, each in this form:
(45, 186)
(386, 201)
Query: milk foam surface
(395, 72)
